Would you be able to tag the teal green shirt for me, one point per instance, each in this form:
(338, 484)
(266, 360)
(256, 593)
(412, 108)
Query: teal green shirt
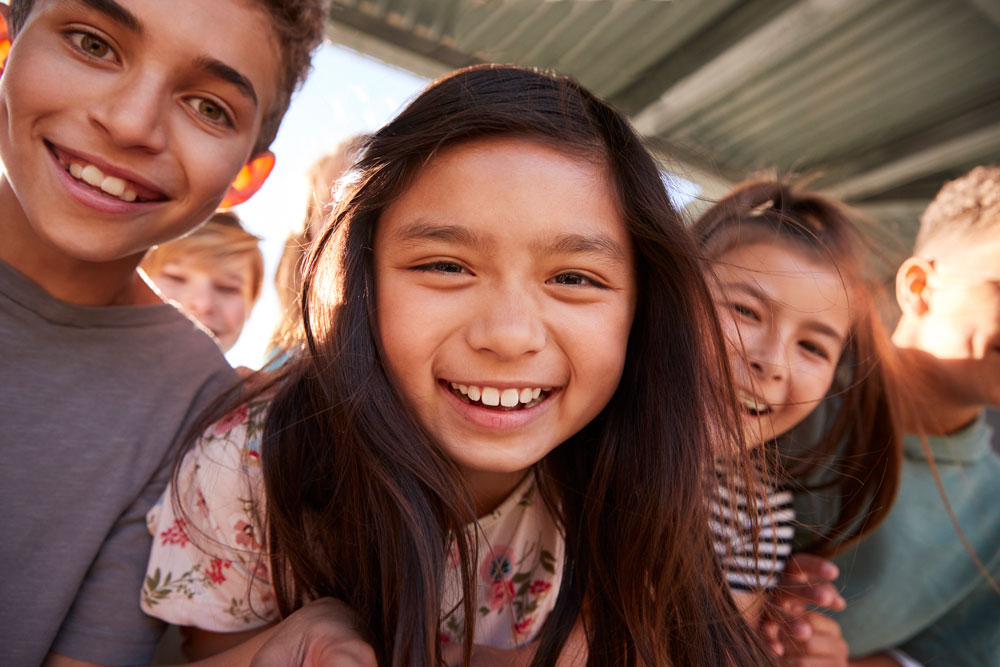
(911, 584)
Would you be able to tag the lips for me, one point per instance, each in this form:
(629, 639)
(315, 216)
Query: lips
(99, 176)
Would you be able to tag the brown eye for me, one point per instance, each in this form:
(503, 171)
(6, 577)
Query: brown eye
(94, 46)
(207, 108)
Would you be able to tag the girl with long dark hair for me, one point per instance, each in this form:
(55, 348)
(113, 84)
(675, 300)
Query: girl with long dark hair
(506, 420)
(794, 294)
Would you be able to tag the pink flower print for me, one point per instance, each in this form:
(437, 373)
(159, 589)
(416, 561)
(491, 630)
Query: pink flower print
(175, 534)
(444, 638)
(215, 570)
(245, 535)
(497, 565)
(540, 588)
(521, 628)
(200, 503)
(499, 594)
(232, 420)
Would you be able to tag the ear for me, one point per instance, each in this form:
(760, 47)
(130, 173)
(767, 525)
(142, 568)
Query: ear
(248, 181)
(4, 35)
(912, 291)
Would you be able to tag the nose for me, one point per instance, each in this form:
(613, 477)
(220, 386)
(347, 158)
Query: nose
(767, 357)
(199, 300)
(133, 113)
(507, 326)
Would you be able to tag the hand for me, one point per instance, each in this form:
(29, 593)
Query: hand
(805, 581)
(825, 646)
(323, 633)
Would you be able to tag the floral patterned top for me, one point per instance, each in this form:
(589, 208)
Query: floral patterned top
(208, 569)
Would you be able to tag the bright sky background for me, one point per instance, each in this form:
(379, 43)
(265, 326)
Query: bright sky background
(346, 94)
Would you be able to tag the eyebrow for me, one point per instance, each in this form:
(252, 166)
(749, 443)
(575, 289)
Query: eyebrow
(598, 244)
(221, 70)
(813, 325)
(116, 13)
(424, 231)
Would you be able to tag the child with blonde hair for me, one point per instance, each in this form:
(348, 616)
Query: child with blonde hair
(214, 274)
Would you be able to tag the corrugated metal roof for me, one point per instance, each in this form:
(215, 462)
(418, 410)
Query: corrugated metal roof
(885, 99)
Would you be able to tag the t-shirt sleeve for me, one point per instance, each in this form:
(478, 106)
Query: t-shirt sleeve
(207, 567)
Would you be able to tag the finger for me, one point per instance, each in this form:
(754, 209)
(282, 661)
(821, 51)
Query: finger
(805, 566)
(820, 594)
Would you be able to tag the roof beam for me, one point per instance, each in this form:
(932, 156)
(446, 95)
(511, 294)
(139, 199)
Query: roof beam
(958, 151)
(767, 45)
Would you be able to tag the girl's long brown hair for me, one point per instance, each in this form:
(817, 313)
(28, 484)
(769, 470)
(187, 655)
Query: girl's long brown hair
(858, 450)
(362, 504)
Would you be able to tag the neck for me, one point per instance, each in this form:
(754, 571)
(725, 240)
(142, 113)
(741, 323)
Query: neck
(64, 277)
(490, 489)
(930, 405)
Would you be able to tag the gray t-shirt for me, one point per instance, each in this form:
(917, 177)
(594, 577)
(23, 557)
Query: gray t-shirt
(93, 403)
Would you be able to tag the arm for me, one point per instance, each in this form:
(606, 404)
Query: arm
(323, 633)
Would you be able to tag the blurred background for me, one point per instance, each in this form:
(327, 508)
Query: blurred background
(879, 101)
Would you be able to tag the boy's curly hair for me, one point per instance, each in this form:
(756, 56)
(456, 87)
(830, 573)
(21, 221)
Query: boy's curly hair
(298, 25)
(964, 209)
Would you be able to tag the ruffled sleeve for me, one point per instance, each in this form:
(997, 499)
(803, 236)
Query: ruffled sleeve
(207, 567)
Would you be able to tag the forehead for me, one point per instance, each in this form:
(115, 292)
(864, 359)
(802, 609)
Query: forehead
(514, 189)
(788, 276)
(974, 261)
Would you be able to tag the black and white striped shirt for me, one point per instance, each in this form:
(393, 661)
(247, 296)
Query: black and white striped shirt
(734, 537)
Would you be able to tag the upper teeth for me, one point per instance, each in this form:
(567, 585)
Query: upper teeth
(505, 397)
(113, 185)
(752, 403)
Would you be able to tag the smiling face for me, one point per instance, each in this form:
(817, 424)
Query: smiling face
(505, 291)
(785, 316)
(123, 123)
(220, 296)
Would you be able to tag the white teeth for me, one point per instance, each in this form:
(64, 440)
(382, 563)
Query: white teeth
(92, 175)
(491, 396)
(752, 403)
(510, 397)
(113, 186)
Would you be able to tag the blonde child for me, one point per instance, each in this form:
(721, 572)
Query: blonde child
(214, 274)
(507, 416)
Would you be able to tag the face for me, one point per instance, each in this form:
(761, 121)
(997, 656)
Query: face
(219, 296)
(785, 316)
(962, 322)
(505, 292)
(123, 123)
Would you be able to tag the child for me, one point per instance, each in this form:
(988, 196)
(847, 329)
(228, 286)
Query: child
(323, 175)
(931, 598)
(794, 301)
(509, 344)
(214, 274)
(122, 125)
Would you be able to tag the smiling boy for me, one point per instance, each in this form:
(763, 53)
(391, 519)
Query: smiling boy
(911, 584)
(122, 125)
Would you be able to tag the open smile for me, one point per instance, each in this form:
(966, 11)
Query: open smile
(105, 180)
(506, 399)
(752, 405)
